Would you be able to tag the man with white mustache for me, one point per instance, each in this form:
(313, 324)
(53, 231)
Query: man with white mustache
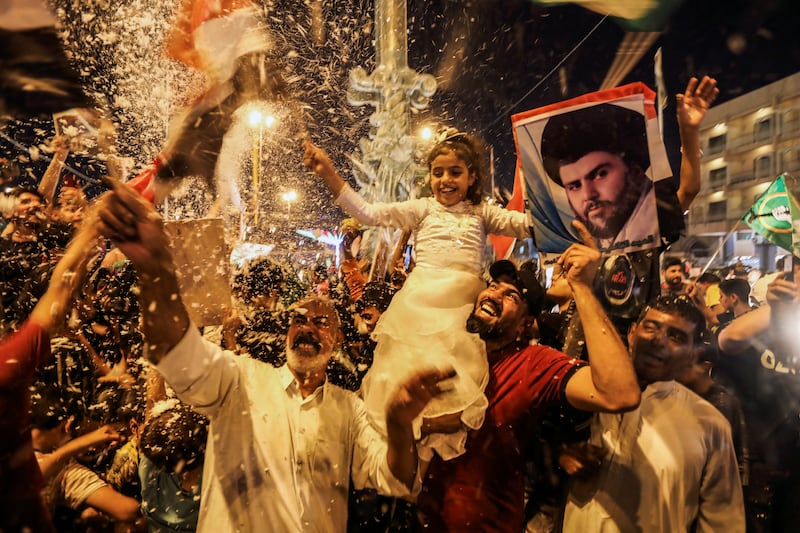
(283, 443)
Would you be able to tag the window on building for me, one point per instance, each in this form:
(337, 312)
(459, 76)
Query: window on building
(716, 177)
(790, 121)
(789, 160)
(716, 144)
(744, 235)
(696, 215)
(717, 211)
(762, 129)
(699, 249)
(762, 166)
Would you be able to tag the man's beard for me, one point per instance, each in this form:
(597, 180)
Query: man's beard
(675, 282)
(307, 339)
(484, 330)
(620, 211)
(610, 226)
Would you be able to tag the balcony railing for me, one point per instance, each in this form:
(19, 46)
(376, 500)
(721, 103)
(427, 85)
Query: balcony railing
(740, 178)
(791, 126)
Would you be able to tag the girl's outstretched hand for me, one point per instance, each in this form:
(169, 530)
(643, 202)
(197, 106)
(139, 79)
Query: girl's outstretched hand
(319, 162)
(316, 159)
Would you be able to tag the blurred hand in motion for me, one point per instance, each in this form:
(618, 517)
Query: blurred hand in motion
(581, 459)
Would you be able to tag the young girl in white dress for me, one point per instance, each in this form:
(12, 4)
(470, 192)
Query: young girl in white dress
(425, 325)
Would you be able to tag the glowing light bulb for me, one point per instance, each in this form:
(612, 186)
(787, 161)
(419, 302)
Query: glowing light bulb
(254, 118)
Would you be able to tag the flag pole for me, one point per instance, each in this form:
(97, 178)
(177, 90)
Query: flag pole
(721, 244)
(736, 225)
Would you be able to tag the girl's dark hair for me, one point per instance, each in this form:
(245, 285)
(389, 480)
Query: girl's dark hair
(470, 150)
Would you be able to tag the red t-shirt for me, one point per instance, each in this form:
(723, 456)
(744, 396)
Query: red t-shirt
(21, 503)
(483, 489)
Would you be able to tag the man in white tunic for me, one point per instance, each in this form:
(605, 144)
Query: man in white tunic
(283, 443)
(670, 464)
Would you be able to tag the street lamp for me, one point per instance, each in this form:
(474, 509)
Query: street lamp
(426, 133)
(289, 197)
(258, 117)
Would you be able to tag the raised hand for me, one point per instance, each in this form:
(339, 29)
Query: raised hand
(415, 394)
(317, 161)
(134, 226)
(782, 291)
(695, 101)
(580, 262)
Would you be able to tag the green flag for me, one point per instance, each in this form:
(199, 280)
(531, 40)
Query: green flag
(794, 210)
(772, 216)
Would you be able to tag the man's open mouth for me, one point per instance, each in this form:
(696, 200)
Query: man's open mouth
(306, 340)
(489, 307)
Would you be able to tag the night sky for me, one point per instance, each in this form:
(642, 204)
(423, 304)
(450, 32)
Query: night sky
(509, 46)
(485, 54)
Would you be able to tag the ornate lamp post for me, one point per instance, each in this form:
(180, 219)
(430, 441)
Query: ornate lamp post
(387, 165)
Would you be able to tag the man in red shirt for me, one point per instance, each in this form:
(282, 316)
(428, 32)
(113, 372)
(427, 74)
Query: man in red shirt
(21, 507)
(483, 489)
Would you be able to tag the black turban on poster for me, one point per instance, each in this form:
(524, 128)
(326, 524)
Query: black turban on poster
(600, 128)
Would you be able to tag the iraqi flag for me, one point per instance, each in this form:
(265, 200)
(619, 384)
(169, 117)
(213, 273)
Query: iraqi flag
(503, 246)
(211, 35)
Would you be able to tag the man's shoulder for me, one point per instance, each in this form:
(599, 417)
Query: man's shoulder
(548, 353)
(693, 403)
(535, 355)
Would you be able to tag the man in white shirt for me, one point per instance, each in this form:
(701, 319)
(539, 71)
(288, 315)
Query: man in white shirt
(283, 443)
(670, 464)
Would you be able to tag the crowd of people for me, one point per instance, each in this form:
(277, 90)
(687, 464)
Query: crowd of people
(449, 397)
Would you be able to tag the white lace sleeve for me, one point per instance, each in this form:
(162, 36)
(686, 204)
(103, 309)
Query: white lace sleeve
(405, 215)
(506, 222)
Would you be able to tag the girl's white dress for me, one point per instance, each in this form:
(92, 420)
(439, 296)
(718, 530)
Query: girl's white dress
(425, 325)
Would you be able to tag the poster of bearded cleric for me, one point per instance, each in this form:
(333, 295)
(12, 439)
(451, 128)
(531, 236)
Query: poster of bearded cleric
(598, 158)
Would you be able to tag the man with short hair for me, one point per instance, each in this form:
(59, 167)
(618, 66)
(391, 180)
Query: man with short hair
(759, 363)
(673, 274)
(734, 297)
(284, 443)
(483, 489)
(360, 348)
(670, 463)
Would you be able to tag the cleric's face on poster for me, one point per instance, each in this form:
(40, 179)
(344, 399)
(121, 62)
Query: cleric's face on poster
(592, 159)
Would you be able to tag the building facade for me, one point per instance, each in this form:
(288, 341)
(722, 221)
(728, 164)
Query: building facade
(747, 142)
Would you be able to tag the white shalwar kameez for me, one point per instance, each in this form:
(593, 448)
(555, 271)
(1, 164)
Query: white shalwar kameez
(274, 461)
(670, 467)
